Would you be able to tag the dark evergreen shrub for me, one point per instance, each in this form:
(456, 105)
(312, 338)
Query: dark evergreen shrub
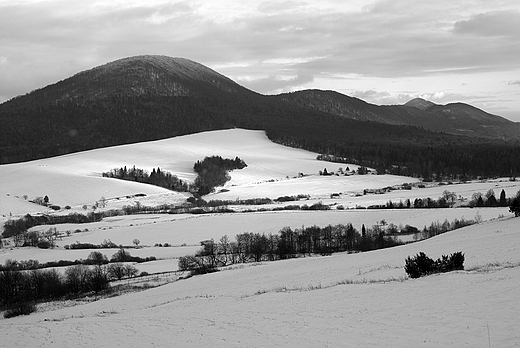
(422, 265)
(419, 266)
(514, 207)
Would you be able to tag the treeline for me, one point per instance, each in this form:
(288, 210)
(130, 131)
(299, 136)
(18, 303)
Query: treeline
(213, 172)
(157, 177)
(448, 199)
(18, 228)
(287, 243)
(93, 258)
(21, 290)
(24, 283)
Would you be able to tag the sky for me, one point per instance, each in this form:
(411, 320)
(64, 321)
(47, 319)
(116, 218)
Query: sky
(382, 51)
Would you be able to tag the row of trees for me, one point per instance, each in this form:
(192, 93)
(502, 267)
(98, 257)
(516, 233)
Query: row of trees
(157, 177)
(288, 243)
(23, 283)
(448, 199)
(489, 199)
(22, 237)
(21, 289)
(94, 258)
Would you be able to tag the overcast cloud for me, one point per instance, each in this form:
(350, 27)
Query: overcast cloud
(385, 52)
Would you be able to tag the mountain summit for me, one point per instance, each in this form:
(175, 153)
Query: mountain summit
(419, 103)
(150, 75)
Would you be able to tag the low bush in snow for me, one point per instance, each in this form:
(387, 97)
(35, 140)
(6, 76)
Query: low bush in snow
(421, 265)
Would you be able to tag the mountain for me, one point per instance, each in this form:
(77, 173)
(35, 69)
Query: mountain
(147, 98)
(135, 76)
(419, 103)
(457, 118)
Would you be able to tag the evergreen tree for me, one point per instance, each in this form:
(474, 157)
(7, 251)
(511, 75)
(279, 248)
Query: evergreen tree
(503, 200)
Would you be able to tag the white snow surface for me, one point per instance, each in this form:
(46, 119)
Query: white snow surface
(343, 300)
(75, 179)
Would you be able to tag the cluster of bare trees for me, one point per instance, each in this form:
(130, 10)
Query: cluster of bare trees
(21, 287)
(288, 243)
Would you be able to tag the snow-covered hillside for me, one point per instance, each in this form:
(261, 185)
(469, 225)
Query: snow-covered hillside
(272, 171)
(344, 300)
(76, 180)
(352, 300)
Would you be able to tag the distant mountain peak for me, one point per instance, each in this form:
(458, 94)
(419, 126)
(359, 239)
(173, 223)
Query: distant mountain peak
(151, 75)
(420, 103)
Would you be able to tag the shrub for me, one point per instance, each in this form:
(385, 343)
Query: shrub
(514, 207)
(419, 266)
(204, 269)
(422, 265)
(96, 258)
(20, 309)
(44, 244)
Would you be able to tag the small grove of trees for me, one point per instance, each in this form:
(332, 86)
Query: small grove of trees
(489, 199)
(213, 172)
(21, 237)
(20, 289)
(157, 177)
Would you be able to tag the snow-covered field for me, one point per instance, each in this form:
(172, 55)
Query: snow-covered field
(356, 300)
(344, 300)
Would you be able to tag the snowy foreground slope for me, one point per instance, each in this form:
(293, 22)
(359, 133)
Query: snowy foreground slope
(356, 300)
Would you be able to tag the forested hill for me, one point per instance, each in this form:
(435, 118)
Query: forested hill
(153, 97)
(455, 118)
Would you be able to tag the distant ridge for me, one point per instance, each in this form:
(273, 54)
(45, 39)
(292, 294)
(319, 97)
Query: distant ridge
(456, 118)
